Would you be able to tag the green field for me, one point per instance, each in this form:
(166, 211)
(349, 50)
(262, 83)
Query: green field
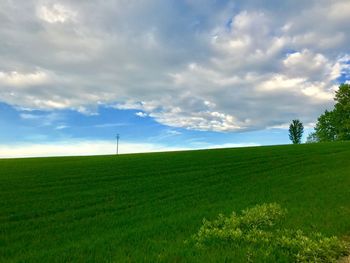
(142, 207)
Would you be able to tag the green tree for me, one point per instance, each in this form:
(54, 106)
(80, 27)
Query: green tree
(335, 125)
(326, 130)
(342, 112)
(296, 130)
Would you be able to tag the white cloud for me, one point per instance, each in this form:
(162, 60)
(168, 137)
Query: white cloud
(173, 132)
(223, 66)
(318, 91)
(203, 120)
(45, 119)
(29, 116)
(61, 127)
(98, 147)
(57, 13)
(340, 11)
(141, 114)
(306, 64)
(17, 79)
(76, 148)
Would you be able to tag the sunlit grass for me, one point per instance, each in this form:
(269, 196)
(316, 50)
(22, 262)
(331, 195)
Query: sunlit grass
(142, 207)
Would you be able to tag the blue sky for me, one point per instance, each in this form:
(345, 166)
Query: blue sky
(25, 128)
(165, 75)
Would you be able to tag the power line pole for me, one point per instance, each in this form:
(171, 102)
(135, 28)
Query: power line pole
(117, 143)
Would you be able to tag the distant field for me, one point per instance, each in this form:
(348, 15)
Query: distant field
(141, 207)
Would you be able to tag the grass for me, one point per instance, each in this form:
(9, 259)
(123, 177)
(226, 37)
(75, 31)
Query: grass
(141, 207)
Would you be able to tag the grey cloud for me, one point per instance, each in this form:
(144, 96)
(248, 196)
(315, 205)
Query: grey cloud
(208, 65)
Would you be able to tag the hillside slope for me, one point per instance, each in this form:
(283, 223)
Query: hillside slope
(141, 207)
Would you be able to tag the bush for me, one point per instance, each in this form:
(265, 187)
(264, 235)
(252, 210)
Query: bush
(255, 230)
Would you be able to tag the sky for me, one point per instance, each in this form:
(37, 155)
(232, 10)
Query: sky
(165, 75)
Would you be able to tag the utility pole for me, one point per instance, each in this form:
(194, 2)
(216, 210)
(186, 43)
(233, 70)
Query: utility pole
(117, 143)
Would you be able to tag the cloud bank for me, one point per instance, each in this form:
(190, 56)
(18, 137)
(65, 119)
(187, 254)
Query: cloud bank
(203, 65)
(95, 147)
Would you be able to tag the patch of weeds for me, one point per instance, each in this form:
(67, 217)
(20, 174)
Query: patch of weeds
(256, 230)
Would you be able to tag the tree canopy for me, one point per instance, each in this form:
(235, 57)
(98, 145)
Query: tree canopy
(335, 125)
(296, 130)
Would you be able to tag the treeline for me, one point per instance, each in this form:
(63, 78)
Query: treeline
(334, 125)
